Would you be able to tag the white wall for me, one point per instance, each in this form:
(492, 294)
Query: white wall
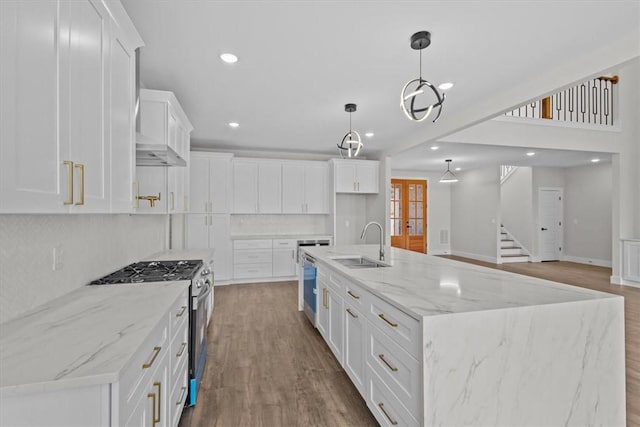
(516, 206)
(438, 208)
(377, 205)
(475, 214)
(587, 214)
(351, 217)
(91, 245)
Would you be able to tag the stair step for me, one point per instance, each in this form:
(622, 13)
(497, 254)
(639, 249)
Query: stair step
(514, 251)
(514, 258)
(511, 247)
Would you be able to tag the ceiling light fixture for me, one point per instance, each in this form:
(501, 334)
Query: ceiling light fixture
(457, 169)
(448, 176)
(434, 147)
(351, 142)
(369, 134)
(445, 86)
(229, 58)
(531, 153)
(234, 124)
(595, 160)
(415, 87)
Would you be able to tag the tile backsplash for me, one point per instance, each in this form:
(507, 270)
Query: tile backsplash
(87, 247)
(278, 224)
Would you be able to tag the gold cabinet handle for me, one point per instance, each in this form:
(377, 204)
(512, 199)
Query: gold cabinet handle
(136, 185)
(69, 165)
(352, 313)
(393, 325)
(153, 405)
(183, 308)
(386, 362)
(156, 351)
(353, 295)
(173, 200)
(182, 347)
(155, 421)
(179, 402)
(80, 167)
(391, 420)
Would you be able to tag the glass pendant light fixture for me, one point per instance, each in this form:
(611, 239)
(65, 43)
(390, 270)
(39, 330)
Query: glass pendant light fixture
(416, 87)
(448, 176)
(351, 143)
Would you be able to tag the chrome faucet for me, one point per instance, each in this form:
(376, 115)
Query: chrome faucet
(364, 232)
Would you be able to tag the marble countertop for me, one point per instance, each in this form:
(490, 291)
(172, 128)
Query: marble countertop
(424, 285)
(279, 236)
(85, 337)
(206, 255)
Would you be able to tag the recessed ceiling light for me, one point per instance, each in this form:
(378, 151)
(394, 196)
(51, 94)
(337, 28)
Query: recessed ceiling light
(434, 147)
(445, 86)
(369, 134)
(458, 169)
(595, 160)
(531, 153)
(234, 124)
(229, 58)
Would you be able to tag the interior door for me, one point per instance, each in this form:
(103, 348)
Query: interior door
(550, 219)
(408, 213)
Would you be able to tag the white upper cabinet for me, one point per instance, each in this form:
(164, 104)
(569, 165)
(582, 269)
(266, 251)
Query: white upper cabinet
(66, 82)
(163, 119)
(269, 187)
(210, 182)
(304, 187)
(356, 176)
(245, 186)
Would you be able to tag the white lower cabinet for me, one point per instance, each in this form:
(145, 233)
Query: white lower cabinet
(355, 326)
(211, 231)
(284, 257)
(252, 259)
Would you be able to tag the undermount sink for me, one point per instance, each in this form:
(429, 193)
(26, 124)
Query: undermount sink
(359, 262)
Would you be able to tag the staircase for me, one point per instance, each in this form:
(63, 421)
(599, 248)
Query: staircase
(510, 249)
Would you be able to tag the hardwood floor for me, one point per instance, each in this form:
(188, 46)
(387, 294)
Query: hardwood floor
(592, 277)
(267, 366)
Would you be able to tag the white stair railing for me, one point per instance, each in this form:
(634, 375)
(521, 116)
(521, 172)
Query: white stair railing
(506, 171)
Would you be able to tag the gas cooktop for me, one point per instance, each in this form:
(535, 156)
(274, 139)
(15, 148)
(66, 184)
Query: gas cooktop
(152, 271)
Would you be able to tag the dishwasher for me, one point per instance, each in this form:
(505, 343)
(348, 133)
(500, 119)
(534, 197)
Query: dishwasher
(309, 276)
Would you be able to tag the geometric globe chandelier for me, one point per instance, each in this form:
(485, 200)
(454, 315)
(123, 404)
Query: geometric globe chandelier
(418, 88)
(351, 143)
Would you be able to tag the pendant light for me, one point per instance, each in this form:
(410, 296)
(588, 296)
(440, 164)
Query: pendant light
(448, 176)
(351, 143)
(416, 87)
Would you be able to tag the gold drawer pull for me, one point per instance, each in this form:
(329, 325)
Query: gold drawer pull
(394, 325)
(184, 307)
(153, 404)
(393, 368)
(391, 420)
(353, 295)
(179, 402)
(182, 347)
(156, 351)
(155, 421)
(69, 165)
(80, 167)
(351, 313)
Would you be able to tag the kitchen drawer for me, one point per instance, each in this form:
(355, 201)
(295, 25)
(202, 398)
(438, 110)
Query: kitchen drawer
(178, 395)
(179, 349)
(252, 256)
(179, 312)
(398, 369)
(357, 296)
(249, 271)
(402, 328)
(252, 244)
(142, 367)
(385, 406)
(284, 244)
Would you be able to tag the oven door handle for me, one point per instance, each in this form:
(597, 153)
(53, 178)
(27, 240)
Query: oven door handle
(203, 295)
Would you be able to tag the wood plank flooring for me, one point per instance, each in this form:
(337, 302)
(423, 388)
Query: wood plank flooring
(592, 277)
(267, 366)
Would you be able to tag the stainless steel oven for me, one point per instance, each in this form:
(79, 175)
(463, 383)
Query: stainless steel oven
(201, 293)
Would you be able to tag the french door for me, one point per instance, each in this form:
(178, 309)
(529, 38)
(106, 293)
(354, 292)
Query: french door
(408, 213)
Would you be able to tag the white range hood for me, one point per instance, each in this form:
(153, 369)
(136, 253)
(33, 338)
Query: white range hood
(151, 152)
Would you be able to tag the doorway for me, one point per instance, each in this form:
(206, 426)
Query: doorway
(408, 213)
(550, 236)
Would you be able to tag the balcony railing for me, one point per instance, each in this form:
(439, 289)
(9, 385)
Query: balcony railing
(589, 102)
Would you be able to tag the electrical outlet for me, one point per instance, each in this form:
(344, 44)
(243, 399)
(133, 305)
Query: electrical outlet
(57, 253)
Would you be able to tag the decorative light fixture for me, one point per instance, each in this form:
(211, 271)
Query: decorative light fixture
(229, 58)
(351, 142)
(448, 176)
(415, 87)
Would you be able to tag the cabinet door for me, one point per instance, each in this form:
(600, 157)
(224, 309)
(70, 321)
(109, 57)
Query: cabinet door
(245, 187)
(336, 316)
(284, 262)
(199, 171)
(367, 177)
(219, 184)
(221, 243)
(315, 189)
(83, 112)
(269, 187)
(323, 309)
(122, 142)
(293, 188)
(354, 346)
(345, 175)
(32, 175)
(198, 231)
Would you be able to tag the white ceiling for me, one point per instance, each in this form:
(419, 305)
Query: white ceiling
(300, 62)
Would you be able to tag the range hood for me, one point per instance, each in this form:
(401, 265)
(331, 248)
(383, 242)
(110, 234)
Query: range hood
(149, 151)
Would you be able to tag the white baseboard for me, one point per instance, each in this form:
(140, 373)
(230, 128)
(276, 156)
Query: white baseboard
(492, 260)
(440, 252)
(617, 280)
(590, 261)
(257, 280)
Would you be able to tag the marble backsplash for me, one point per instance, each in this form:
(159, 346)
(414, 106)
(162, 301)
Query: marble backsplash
(279, 224)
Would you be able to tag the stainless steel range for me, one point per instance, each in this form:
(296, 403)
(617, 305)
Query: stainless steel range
(200, 291)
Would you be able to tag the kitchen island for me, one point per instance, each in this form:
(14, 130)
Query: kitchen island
(432, 341)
